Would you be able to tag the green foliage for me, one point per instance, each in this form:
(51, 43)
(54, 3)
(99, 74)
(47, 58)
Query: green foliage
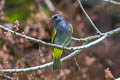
(19, 10)
(19, 14)
(19, 2)
(45, 10)
(1, 44)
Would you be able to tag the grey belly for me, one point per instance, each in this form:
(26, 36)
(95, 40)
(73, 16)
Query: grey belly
(62, 38)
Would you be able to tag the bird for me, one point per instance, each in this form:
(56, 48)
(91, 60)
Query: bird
(61, 35)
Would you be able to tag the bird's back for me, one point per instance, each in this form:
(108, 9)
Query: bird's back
(64, 33)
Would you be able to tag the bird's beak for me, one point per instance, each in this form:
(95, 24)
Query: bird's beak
(51, 18)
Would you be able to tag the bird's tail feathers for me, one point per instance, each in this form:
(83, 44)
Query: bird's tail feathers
(56, 64)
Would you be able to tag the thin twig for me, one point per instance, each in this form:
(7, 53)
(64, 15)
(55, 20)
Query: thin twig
(108, 74)
(113, 2)
(76, 63)
(5, 77)
(97, 30)
(87, 39)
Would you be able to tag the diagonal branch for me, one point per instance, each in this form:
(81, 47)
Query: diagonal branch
(107, 34)
(37, 40)
(97, 30)
(113, 2)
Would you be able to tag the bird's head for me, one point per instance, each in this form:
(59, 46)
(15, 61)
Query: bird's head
(57, 17)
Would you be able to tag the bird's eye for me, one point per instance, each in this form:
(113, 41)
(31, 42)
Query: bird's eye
(55, 17)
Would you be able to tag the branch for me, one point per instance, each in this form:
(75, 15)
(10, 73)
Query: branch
(59, 46)
(117, 78)
(112, 1)
(50, 5)
(89, 18)
(31, 39)
(44, 43)
(87, 39)
(5, 77)
(41, 66)
(76, 52)
(109, 75)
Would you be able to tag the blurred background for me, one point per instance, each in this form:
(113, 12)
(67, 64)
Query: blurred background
(33, 17)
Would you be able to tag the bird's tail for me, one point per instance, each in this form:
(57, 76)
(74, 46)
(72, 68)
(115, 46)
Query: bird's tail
(56, 64)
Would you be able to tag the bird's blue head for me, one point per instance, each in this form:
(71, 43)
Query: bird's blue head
(57, 17)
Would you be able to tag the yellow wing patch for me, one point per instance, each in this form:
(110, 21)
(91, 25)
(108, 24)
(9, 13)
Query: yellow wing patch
(71, 27)
(53, 35)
